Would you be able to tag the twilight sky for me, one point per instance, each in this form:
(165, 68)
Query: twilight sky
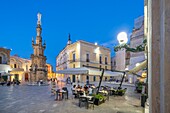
(90, 20)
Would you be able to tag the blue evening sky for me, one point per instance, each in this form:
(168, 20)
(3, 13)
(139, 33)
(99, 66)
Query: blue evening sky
(90, 20)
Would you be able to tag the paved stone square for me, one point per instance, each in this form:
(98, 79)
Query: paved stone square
(37, 99)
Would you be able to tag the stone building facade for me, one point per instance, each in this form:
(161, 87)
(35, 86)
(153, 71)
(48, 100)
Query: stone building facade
(4, 63)
(20, 69)
(83, 53)
(136, 39)
(120, 61)
(50, 73)
(38, 60)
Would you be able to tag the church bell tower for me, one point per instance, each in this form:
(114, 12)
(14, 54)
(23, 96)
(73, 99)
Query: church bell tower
(38, 69)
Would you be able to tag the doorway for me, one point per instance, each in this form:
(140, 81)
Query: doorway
(0, 60)
(26, 76)
(87, 77)
(74, 78)
(94, 78)
(16, 76)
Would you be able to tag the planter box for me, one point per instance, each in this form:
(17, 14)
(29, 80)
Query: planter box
(139, 91)
(97, 102)
(120, 93)
(143, 100)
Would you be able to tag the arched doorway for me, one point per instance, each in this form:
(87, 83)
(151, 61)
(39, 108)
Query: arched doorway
(26, 76)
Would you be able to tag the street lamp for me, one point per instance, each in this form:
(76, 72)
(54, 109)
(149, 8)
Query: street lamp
(126, 70)
(122, 38)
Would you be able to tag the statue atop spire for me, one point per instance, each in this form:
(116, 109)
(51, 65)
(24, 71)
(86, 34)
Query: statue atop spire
(69, 39)
(39, 18)
(39, 29)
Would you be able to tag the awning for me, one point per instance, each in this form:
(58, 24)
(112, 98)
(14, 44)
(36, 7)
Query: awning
(89, 71)
(138, 68)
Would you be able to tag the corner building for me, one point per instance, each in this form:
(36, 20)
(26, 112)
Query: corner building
(83, 53)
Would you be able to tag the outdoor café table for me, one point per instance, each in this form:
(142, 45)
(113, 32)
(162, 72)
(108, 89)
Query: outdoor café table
(84, 98)
(59, 94)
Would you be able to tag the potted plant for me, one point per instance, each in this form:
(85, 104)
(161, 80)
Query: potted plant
(143, 99)
(120, 92)
(139, 87)
(99, 99)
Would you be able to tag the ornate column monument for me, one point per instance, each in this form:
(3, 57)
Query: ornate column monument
(38, 71)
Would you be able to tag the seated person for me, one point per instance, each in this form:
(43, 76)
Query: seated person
(78, 87)
(81, 88)
(90, 90)
(74, 87)
(85, 87)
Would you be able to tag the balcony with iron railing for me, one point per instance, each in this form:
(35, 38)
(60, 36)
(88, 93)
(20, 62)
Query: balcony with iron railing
(81, 60)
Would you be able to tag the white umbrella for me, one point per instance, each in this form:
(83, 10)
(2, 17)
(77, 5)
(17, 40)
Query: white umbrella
(89, 71)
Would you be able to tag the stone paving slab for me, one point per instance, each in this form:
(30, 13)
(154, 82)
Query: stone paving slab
(37, 99)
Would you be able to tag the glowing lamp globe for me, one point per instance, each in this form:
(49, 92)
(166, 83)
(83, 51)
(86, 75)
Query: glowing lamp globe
(122, 38)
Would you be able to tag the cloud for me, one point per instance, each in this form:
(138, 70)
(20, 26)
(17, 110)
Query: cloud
(110, 43)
